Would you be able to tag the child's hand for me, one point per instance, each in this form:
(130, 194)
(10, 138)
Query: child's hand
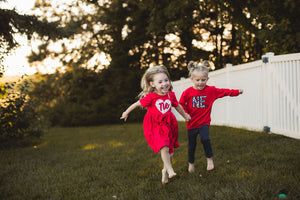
(187, 117)
(241, 91)
(124, 116)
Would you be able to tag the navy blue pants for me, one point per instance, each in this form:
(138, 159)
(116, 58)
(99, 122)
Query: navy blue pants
(203, 131)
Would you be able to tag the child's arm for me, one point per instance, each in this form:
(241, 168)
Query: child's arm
(182, 101)
(227, 92)
(129, 109)
(181, 111)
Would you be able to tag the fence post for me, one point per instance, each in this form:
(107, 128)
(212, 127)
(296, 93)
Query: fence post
(266, 90)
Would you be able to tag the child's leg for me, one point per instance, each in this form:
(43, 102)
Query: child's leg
(164, 172)
(192, 142)
(171, 157)
(204, 134)
(166, 158)
(164, 177)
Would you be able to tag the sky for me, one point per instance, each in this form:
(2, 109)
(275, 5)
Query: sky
(16, 63)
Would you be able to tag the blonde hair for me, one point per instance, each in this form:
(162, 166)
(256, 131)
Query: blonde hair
(202, 67)
(148, 77)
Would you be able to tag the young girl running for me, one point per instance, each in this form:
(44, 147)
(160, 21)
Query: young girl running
(160, 125)
(197, 101)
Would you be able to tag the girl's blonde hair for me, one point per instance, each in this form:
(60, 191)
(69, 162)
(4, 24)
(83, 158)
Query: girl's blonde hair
(148, 77)
(202, 67)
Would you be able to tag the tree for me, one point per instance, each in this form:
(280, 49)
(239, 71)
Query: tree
(69, 98)
(12, 23)
(18, 117)
(278, 25)
(134, 34)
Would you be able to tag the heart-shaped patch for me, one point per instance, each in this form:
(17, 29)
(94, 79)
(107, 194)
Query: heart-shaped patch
(163, 106)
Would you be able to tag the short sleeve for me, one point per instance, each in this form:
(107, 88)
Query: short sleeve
(173, 99)
(146, 101)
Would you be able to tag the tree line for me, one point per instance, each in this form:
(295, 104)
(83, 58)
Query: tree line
(135, 34)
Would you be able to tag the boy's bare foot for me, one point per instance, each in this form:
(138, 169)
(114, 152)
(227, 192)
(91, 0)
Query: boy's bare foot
(210, 164)
(164, 178)
(191, 168)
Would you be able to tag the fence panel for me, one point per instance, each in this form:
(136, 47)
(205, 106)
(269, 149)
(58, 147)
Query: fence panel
(283, 94)
(270, 99)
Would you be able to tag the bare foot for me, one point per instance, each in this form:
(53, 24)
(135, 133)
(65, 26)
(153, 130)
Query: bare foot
(210, 164)
(172, 174)
(191, 168)
(164, 178)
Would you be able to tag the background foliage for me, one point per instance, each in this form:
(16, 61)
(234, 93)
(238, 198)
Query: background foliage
(19, 120)
(133, 35)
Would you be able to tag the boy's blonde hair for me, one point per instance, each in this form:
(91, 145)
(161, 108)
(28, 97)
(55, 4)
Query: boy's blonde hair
(202, 67)
(148, 77)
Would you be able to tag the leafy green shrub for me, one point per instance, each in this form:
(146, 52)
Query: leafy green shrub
(84, 97)
(18, 118)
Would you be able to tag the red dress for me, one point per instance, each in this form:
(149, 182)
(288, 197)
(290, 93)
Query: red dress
(160, 124)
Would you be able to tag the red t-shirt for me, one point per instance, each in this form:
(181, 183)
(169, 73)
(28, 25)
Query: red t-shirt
(198, 103)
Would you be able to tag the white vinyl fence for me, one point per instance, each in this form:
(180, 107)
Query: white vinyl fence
(271, 98)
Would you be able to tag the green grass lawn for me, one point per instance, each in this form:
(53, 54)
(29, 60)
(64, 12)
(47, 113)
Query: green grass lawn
(115, 162)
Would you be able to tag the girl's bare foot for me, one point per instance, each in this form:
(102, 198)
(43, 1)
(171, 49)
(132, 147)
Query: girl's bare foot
(210, 164)
(191, 168)
(172, 174)
(164, 178)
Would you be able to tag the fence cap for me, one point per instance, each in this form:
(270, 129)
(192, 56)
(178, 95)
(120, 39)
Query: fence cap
(265, 58)
(270, 54)
(228, 65)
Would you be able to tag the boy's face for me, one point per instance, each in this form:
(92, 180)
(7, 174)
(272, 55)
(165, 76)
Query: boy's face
(199, 79)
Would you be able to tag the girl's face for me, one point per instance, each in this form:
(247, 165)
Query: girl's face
(199, 79)
(161, 83)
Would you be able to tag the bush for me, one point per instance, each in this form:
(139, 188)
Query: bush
(18, 119)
